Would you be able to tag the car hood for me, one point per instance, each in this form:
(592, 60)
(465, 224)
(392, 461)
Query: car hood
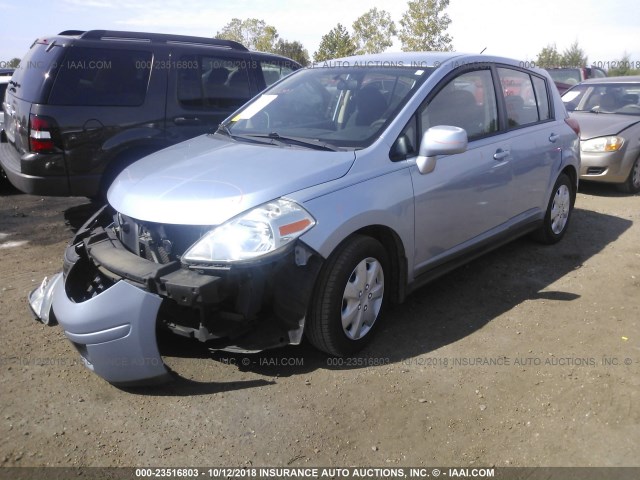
(206, 180)
(599, 124)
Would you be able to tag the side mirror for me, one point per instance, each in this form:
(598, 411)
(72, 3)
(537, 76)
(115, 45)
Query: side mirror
(440, 140)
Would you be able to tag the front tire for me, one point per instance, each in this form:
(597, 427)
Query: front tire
(558, 214)
(632, 184)
(346, 305)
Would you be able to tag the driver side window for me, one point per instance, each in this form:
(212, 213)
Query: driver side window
(468, 101)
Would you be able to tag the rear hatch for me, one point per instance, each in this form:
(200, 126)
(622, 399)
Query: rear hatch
(30, 84)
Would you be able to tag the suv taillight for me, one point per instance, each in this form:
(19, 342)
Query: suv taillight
(575, 126)
(40, 134)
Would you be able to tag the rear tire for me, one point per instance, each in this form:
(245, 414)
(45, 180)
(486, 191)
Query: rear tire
(346, 305)
(558, 214)
(632, 184)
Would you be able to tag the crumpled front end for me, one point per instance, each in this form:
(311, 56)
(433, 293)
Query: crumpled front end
(123, 281)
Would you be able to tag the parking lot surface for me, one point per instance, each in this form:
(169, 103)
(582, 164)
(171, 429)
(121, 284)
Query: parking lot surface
(529, 356)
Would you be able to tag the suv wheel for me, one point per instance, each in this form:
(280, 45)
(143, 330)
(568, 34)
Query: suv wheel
(632, 185)
(347, 303)
(558, 213)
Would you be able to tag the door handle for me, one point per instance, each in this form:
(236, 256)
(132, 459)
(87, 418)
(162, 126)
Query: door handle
(553, 137)
(187, 121)
(501, 154)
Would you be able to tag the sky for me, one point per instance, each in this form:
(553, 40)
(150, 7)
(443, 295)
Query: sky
(604, 29)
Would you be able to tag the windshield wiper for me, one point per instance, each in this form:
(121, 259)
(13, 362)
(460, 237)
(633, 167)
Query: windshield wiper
(275, 138)
(302, 141)
(222, 128)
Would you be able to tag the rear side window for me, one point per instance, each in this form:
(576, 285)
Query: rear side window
(273, 72)
(526, 97)
(213, 82)
(102, 77)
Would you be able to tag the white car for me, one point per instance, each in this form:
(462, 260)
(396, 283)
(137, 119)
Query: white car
(5, 76)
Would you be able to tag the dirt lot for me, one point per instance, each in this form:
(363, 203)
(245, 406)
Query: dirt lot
(529, 356)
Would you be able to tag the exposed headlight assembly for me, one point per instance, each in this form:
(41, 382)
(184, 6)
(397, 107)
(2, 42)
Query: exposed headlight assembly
(257, 232)
(602, 144)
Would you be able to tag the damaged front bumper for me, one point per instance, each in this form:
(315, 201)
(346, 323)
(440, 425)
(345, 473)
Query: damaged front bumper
(111, 303)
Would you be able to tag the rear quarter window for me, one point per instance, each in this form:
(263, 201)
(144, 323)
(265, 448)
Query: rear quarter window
(101, 77)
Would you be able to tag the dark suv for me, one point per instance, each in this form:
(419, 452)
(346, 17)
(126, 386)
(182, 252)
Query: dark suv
(84, 105)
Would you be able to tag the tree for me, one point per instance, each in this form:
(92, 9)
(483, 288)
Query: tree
(293, 50)
(624, 67)
(574, 56)
(423, 26)
(549, 57)
(337, 43)
(372, 31)
(253, 33)
(13, 63)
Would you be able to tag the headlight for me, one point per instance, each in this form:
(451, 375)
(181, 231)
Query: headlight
(260, 231)
(603, 144)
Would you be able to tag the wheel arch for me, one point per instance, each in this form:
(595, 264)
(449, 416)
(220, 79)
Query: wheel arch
(571, 172)
(394, 247)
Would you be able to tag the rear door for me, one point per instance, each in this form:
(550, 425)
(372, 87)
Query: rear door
(108, 101)
(535, 136)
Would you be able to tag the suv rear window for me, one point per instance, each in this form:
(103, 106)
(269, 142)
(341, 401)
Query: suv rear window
(42, 58)
(99, 77)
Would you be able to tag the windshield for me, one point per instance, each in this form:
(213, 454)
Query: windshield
(604, 98)
(343, 107)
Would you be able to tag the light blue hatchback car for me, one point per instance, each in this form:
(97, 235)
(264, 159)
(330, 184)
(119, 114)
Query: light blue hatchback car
(340, 189)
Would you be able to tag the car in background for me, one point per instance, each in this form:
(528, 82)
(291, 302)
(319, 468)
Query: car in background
(5, 77)
(573, 75)
(88, 104)
(562, 87)
(608, 111)
(336, 191)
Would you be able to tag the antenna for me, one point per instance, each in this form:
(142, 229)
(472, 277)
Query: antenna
(483, 50)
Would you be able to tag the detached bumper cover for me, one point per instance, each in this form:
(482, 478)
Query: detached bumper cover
(115, 332)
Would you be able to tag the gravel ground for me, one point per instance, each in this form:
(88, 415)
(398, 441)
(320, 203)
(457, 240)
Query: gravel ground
(529, 356)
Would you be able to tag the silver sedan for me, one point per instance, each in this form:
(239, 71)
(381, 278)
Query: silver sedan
(608, 111)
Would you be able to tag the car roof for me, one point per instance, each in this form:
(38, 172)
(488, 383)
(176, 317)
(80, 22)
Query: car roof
(627, 79)
(69, 36)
